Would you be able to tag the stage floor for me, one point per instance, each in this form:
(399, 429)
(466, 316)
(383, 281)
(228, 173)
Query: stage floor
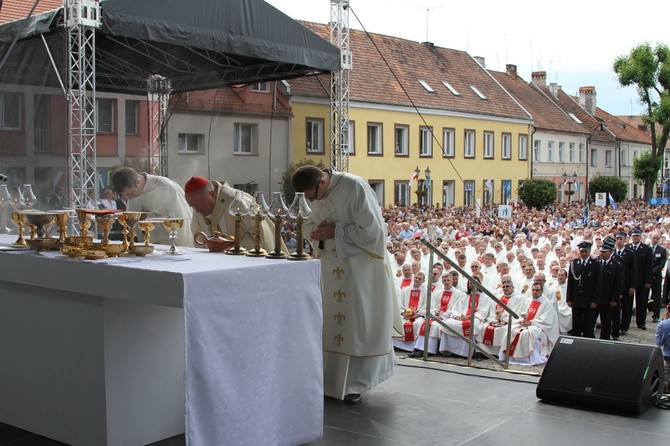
(429, 403)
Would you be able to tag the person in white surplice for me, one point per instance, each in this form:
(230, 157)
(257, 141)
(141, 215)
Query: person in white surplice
(360, 309)
(534, 335)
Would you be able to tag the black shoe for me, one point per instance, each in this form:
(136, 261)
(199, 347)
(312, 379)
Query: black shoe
(654, 320)
(415, 354)
(353, 398)
(624, 332)
(616, 338)
(642, 328)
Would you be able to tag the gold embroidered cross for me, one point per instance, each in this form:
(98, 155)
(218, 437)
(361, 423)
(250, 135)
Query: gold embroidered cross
(339, 318)
(339, 296)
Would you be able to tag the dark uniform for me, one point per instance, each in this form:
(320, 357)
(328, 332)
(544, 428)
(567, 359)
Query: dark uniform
(643, 258)
(611, 276)
(621, 315)
(659, 256)
(583, 293)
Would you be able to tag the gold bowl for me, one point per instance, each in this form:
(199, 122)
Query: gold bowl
(113, 250)
(93, 254)
(141, 250)
(43, 244)
(81, 241)
(73, 252)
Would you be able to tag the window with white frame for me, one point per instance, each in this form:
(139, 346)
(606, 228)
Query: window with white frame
(608, 158)
(190, 142)
(105, 110)
(594, 157)
(488, 144)
(131, 116)
(401, 140)
(469, 144)
(246, 139)
(448, 143)
(261, 87)
(561, 150)
(314, 136)
(537, 150)
(401, 193)
(487, 191)
(581, 152)
(623, 158)
(523, 147)
(426, 141)
(10, 111)
(506, 146)
(469, 192)
(550, 151)
(571, 152)
(374, 138)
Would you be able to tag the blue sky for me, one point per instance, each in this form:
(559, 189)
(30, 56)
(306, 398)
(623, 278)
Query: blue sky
(575, 42)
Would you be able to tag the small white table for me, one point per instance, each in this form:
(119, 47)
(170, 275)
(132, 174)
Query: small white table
(130, 351)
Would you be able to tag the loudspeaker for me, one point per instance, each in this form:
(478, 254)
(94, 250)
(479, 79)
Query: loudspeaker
(608, 375)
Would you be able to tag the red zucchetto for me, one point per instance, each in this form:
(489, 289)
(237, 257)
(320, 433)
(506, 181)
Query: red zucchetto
(195, 184)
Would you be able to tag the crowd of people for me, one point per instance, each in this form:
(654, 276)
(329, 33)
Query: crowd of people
(556, 273)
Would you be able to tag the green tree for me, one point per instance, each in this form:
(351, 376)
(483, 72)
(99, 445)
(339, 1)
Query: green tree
(645, 167)
(537, 193)
(612, 185)
(648, 69)
(286, 187)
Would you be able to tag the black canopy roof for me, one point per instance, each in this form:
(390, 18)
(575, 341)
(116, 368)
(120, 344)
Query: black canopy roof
(196, 44)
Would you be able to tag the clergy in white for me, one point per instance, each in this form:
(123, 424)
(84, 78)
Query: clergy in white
(360, 309)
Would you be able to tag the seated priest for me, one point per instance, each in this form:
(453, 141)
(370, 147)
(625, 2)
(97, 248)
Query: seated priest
(462, 322)
(447, 299)
(495, 327)
(211, 200)
(534, 335)
(413, 310)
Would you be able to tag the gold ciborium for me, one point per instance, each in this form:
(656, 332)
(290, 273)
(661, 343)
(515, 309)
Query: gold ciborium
(19, 219)
(42, 222)
(84, 219)
(172, 225)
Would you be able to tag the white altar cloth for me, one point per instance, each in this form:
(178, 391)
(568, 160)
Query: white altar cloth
(251, 343)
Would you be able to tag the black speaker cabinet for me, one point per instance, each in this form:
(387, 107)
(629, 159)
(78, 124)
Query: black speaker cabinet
(608, 375)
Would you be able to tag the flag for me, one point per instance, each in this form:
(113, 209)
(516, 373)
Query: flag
(585, 215)
(612, 202)
(415, 176)
(489, 185)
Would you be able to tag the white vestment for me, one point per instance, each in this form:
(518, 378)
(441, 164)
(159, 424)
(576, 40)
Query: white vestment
(453, 344)
(557, 295)
(441, 305)
(540, 335)
(495, 327)
(163, 198)
(359, 304)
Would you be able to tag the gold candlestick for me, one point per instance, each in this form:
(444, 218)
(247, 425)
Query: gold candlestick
(258, 211)
(277, 211)
(300, 211)
(238, 209)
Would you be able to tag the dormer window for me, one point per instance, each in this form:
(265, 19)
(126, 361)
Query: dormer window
(425, 85)
(450, 88)
(477, 92)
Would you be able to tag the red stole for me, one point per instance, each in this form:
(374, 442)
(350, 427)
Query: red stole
(470, 304)
(444, 301)
(489, 331)
(414, 296)
(422, 331)
(532, 312)
(408, 328)
(503, 299)
(405, 283)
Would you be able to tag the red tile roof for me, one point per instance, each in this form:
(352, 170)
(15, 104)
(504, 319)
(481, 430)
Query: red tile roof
(372, 81)
(622, 130)
(19, 9)
(547, 115)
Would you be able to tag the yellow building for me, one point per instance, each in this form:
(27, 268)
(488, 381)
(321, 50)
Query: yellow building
(431, 108)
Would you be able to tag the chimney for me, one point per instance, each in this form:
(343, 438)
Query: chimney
(553, 89)
(429, 45)
(511, 71)
(539, 78)
(587, 99)
(481, 61)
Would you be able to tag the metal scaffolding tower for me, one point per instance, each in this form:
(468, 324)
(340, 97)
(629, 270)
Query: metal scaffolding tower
(158, 95)
(339, 86)
(82, 17)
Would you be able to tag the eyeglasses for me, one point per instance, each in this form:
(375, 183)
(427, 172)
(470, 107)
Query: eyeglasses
(506, 286)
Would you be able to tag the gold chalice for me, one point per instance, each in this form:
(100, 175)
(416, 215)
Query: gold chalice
(19, 219)
(130, 220)
(105, 222)
(172, 225)
(61, 220)
(147, 226)
(84, 219)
